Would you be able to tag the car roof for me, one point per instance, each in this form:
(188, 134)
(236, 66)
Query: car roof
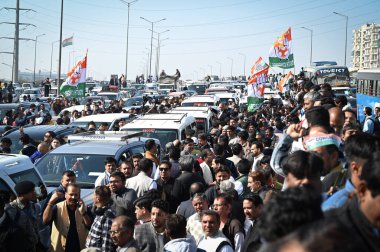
(39, 130)
(201, 98)
(91, 147)
(160, 121)
(103, 117)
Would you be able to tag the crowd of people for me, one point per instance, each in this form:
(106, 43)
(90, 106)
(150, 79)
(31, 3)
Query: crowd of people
(301, 174)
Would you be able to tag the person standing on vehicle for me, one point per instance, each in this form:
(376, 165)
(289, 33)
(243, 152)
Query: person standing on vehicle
(10, 91)
(47, 87)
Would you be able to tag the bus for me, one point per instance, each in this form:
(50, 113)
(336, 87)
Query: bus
(368, 91)
(336, 76)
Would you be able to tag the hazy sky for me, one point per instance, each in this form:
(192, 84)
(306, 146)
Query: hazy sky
(201, 34)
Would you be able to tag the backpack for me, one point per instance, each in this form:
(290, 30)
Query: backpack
(376, 126)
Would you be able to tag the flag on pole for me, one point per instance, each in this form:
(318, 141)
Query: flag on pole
(75, 84)
(283, 85)
(67, 42)
(281, 53)
(256, 84)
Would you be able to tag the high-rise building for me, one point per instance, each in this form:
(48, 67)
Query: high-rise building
(366, 47)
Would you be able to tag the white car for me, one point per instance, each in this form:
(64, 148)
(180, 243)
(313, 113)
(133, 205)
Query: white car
(33, 93)
(98, 119)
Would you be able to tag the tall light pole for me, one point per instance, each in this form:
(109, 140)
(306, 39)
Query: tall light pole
(204, 72)
(311, 43)
(51, 56)
(245, 57)
(151, 41)
(220, 69)
(345, 45)
(126, 54)
(232, 63)
(35, 56)
(158, 49)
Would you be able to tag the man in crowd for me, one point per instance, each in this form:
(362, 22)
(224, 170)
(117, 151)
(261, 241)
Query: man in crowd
(110, 167)
(150, 153)
(99, 235)
(361, 216)
(175, 229)
(151, 236)
(186, 208)
(122, 197)
(142, 182)
(213, 239)
(165, 183)
(122, 230)
(70, 221)
(25, 213)
(252, 206)
(194, 225)
(182, 183)
(231, 227)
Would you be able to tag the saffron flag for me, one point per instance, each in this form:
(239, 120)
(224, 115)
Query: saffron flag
(281, 53)
(67, 42)
(283, 85)
(75, 84)
(256, 83)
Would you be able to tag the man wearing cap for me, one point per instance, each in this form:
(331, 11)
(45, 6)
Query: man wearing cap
(326, 145)
(25, 212)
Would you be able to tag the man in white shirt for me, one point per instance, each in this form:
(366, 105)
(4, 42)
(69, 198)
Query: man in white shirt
(213, 239)
(142, 182)
(257, 152)
(110, 167)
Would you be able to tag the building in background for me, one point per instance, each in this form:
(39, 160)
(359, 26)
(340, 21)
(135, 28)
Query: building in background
(366, 47)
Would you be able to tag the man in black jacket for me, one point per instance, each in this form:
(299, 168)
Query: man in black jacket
(165, 183)
(121, 196)
(182, 183)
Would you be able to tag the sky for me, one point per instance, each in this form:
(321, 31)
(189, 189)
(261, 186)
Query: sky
(204, 37)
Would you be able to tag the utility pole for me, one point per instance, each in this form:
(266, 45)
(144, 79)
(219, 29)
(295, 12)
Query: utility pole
(151, 42)
(60, 51)
(345, 43)
(51, 57)
(126, 56)
(35, 57)
(16, 39)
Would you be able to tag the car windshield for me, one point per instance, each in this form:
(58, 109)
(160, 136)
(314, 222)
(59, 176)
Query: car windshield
(108, 96)
(29, 174)
(197, 104)
(83, 124)
(86, 167)
(133, 102)
(30, 91)
(164, 135)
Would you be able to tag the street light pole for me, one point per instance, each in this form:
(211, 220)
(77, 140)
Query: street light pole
(51, 57)
(245, 57)
(232, 63)
(311, 43)
(345, 44)
(151, 42)
(220, 69)
(158, 49)
(35, 56)
(126, 54)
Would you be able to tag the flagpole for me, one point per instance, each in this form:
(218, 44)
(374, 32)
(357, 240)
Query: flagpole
(60, 51)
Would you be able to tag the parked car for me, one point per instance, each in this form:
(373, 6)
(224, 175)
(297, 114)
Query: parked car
(33, 93)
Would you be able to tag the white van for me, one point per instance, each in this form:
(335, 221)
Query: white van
(201, 101)
(15, 168)
(203, 115)
(164, 127)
